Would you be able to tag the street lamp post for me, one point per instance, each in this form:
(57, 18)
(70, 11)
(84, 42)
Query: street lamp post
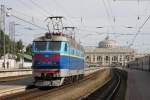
(22, 59)
(2, 28)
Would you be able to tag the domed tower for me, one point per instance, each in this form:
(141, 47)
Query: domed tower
(108, 43)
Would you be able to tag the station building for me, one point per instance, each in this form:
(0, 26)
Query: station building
(109, 53)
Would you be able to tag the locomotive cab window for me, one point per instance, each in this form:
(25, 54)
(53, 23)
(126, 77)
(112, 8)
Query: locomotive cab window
(40, 46)
(54, 45)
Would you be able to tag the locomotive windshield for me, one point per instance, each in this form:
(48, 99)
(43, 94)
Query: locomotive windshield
(40, 46)
(54, 45)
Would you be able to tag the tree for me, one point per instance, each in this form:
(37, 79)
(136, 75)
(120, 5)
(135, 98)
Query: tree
(10, 46)
(29, 49)
(19, 46)
(7, 43)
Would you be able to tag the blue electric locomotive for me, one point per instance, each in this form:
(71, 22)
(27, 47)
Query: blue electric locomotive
(57, 59)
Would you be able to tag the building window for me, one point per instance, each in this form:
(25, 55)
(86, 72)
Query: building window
(120, 59)
(127, 57)
(87, 58)
(114, 58)
(107, 58)
(99, 58)
(93, 58)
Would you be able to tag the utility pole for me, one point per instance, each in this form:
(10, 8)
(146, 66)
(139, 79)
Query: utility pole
(12, 37)
(2, 27)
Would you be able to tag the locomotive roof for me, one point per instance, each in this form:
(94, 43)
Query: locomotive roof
(60, 37)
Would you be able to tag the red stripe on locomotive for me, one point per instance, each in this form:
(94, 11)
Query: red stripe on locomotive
(50, 57)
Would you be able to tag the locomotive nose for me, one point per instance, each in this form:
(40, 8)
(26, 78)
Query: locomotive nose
(46, 59)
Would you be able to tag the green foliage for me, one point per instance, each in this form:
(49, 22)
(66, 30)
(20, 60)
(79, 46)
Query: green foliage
(18, 57)
(19, 46)
(29, 49)
(9, 45)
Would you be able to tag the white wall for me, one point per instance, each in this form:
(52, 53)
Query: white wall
(12, 63)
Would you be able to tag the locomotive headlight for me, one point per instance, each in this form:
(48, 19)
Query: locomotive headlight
(55, 63)
(37, 62)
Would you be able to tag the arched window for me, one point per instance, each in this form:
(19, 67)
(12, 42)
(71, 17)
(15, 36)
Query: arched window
(127, 58)
(87, 58)
(107, 58)
(99, 58)
(94, 58)
(114, 58)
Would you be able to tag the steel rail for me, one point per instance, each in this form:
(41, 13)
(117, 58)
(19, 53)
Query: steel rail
(116, 88)
(35, 92)
(107, 91)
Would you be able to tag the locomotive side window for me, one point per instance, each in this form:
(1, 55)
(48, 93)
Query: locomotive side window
(40, 46)
(66, 46)
(54, 45)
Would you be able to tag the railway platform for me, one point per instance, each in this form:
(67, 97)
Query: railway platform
(138, 85)
(14, 73)
(17, 85)
(8, 87)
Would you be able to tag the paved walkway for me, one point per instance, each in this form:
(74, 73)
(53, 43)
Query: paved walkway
(138, 85)
(15, 84)
(14, 69)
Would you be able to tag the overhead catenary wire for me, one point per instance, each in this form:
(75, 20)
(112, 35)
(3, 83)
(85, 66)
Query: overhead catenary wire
(59, 5)
(102, 33)
(62, 8)
(26, 21)
(65, 11)
(32, 18)
(138, 18)
(18, 12)
(111, 11)
(108, 15)
(40, 7)
(43, 28)
(138, 32)
(28, 6)
(24, 4)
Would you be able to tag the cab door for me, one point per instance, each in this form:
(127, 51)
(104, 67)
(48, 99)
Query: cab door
(67, 51)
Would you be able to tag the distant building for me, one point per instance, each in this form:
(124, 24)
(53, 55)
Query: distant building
(108, 53)
(11, 63)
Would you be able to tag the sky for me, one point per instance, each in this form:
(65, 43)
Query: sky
(115, 16)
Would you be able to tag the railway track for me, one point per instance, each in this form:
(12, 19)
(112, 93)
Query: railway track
(109, 91)
(35, 92)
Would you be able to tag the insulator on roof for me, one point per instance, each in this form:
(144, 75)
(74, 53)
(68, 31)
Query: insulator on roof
(138, 18)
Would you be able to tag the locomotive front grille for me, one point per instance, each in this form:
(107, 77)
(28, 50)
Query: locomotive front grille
(47, 76)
